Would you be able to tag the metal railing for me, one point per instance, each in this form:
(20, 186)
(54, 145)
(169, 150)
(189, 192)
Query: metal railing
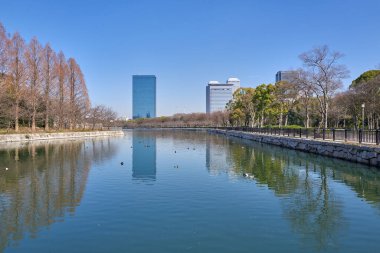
(339, 135)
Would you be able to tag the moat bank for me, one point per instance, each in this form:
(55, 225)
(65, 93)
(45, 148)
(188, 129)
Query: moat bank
(369, 155)
(52, 136)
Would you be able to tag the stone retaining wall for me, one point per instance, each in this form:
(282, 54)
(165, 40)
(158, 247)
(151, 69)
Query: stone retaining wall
(51, 136)
(369, 155)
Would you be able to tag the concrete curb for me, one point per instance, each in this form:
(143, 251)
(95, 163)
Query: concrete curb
(52, 136)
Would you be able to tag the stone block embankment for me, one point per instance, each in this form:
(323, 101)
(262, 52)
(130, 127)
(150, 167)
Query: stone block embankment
(366, 154)
(51, 136)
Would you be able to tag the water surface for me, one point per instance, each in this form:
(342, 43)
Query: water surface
(183, 191)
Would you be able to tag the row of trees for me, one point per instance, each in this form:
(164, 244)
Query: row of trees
(38, 87)
(101, 116)
(182, 120)
(310, 97)
(363, 92)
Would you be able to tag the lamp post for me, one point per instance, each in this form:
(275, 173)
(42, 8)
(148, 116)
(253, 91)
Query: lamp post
(363, 106)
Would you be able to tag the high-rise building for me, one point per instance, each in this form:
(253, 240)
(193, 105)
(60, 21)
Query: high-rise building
(219, 94)
(235, 81)
(143, 96)
(287, 76)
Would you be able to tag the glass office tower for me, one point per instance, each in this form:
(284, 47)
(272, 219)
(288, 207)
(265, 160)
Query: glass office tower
(287, 76)
(143, 96)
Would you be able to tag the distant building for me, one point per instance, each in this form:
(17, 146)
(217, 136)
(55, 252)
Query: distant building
(122, 118)
(218, 94)
(143, 96)
(287, 76)
(235, 81)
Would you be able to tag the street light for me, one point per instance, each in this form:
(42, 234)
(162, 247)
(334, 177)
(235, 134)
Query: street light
(363, 106)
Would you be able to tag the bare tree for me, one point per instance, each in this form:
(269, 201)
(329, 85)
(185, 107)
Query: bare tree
(219, 118)
(305, 95)
(61, 72)
(4, 43)
(17, 72)
(324, 76)
(109, 116)
(33, 57)
(96, 115)
(36, 81)
(338, 110)
(79, 102)
(101, 115)
(49, 62)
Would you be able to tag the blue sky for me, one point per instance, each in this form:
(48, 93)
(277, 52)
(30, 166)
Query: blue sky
(186, 43)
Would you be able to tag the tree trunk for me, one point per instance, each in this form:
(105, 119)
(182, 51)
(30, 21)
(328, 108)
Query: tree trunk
(34, 119)
(47, 107)
(61, 100)
(47, 122)
(16, 115)
(325, 115)
(307, 117)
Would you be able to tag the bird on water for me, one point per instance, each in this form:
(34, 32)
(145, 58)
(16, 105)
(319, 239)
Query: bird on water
(248, 175)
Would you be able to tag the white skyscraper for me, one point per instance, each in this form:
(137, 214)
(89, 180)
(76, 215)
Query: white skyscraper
(235, 81)
(218, 94)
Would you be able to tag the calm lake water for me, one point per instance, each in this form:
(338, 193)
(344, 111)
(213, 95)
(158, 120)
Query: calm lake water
(183, 191)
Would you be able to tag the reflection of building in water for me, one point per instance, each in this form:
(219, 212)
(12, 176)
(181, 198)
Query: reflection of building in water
(144, 155)
(44, 181)
(216, 155)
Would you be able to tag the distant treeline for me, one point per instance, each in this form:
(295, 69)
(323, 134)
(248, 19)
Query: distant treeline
(182, 120)
(40, 88)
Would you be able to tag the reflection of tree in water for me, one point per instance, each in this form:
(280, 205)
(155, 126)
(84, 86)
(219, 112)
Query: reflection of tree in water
(303, 180)
(366, 182)
(44, 181)
(312, 209)
(268, 168)
(101, 149)
(308, 202)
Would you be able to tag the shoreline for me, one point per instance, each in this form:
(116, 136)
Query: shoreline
(6, 138)
(364, 154)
